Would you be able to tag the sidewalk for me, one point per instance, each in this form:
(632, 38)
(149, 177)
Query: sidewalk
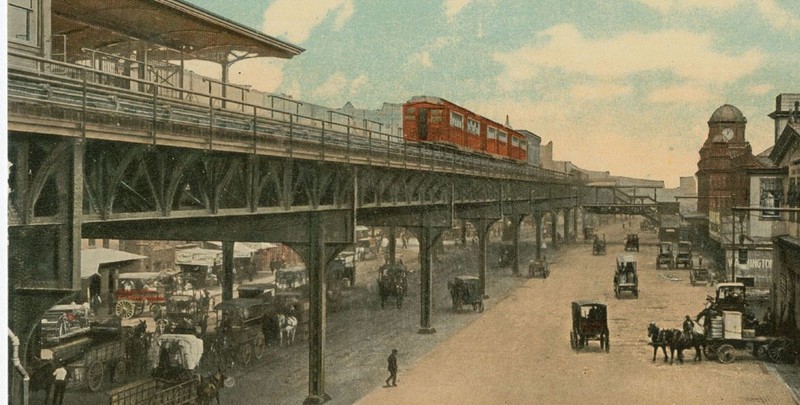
(789, 375)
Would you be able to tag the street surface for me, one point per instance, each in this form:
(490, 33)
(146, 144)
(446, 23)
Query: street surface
(517, 351)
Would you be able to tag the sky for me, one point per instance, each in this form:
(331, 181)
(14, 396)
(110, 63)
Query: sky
(625, 86)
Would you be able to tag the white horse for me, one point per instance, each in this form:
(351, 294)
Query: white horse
(287, 325)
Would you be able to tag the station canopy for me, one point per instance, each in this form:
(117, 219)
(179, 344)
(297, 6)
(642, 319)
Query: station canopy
(91, 259)
(170, 30)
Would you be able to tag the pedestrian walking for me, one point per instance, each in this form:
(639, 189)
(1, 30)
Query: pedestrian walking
(60, 375)
(96, 303)
(392, 359)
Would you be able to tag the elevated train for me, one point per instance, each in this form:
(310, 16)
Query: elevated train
(439, 122)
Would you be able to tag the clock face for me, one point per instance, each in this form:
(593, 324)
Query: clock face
(727, 134)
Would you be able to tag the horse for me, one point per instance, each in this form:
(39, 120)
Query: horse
(657, 339)
(287, 325)
(677, 340)
(137, 346)
(208, 387)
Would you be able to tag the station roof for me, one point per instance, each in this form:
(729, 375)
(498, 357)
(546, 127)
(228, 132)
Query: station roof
(91, 259)
(174, 24)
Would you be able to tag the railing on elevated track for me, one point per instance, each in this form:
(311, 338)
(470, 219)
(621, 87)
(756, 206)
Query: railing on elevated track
(223, 124)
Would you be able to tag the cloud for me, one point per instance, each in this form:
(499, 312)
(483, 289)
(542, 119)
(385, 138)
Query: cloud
(777, 17)
(452, 7)
(684, 93)
(599, 91)
(337, 85)
(357, 84)
(759, 89)
(684, 54)
(422, 58)
(667, 6)
(295, 19)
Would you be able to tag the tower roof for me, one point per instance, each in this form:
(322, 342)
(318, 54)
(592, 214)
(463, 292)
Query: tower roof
(727, 113)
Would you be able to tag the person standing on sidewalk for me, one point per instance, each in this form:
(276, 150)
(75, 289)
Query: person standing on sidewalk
(392, 359)
(60, 375)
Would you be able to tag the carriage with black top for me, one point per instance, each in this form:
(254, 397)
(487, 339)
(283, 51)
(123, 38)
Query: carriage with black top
(589, 322)
(466, 290)
(240, 331)
(599, 245)
(538, 268)
(392, 282)
(626, 280)
(632, 242)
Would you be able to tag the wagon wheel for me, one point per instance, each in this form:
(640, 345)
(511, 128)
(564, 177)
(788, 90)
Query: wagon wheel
(726, 354)
(573, 341)
(155, 311)
(259, 346)
(120, 372)
(711, 352)
(480, 306)
(602, 342)
(125, 309)
(778, 350)
(94, 376)
(608, 342)
(245, 353)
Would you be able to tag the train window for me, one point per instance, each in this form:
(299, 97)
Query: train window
(473, 127)
(502, 137)
(491, 133)
(456, 120)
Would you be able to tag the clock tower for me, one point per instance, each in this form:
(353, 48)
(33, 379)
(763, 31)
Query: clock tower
(716, 187)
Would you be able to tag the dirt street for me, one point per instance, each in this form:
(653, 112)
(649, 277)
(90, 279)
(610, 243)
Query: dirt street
(518, 351)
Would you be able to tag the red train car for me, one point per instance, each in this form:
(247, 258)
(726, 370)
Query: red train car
(436, 120)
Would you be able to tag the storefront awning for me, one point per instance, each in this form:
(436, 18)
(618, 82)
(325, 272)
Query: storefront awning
(91, 259)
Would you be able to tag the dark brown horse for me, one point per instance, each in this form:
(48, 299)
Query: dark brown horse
(678, 341)
(657, 339)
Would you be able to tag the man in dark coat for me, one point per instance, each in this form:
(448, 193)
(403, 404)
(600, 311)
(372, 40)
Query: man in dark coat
(392, 369)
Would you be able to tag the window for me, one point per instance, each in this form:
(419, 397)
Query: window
(456, 120)
(770, 196)
(491, 133)
(23, 21)
(515, 142)
(502, 137)
(473, 127)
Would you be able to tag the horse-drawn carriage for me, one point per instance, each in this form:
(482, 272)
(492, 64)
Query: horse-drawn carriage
(700, 275)
(342, 269)
(466, 290)
(185, 313)
(625, 277)
(589, 322)
(538, 268)
(392, 282)
(65, 321)
(599, 245)
(174, 359)
(665, 257)
(632, 242)
(291, 277)
(240, 330)
(729, 326)
(684, 256)
(139, 291)
(92, 359)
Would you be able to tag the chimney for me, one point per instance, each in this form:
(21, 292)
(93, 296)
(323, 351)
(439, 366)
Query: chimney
(508, 123)
(796, 113)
